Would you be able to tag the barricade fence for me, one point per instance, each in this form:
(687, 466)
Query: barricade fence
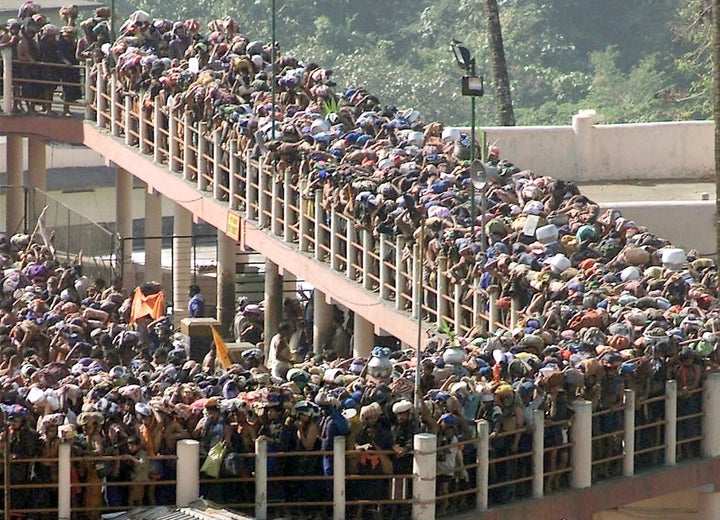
(453, 473)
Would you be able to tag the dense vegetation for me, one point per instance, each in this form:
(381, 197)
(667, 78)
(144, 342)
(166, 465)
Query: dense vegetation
(645, 60)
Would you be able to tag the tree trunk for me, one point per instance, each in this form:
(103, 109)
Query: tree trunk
(500, 78)
(716, 113)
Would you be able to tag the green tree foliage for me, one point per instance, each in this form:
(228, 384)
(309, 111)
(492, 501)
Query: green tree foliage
(631, 61)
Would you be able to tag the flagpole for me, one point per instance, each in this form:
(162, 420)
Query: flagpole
(37, 226)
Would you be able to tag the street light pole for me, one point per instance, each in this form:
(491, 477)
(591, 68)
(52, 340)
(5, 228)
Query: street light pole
(274, 59)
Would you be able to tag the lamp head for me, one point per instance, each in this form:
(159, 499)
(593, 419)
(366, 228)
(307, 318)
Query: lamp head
(478, 174)
(462, 56)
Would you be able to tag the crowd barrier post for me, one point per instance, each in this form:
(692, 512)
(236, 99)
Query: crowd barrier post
(581, 454)
(250, 176)
(711, 416)
(99, 98)
(172, 140)
(477, 302)
(319, 219)
(261, 482)
(157, 131)
(350, 249)
(538, 458)
(142, 125)
(201, 151)
(234, 172)
(400, 280)
(493, 292)
(289, 199)
(416, 283)
(442, 290)
(64, 481)
(367, 247)
(671, 422)
(334, 239)
(514, 312)
(482, 471)
(88, 87)
(629, 424)
(188, 480)
(339, 471)
(217, 163)
(424, 474)
(187, 142)
(276, 209)
(128, 120)
(114, 128)
(457, 308)
(384, 268)
(304, 226)
(261, 199)
(8, 100)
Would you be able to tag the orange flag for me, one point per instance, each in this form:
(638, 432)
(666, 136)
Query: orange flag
(221, 348)
(152, 305)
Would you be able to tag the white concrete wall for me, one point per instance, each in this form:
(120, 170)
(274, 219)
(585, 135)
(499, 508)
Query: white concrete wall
(59, 156)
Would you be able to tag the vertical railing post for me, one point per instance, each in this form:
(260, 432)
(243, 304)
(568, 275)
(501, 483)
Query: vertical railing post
(457, 307)
(188, 480)
(304, 225)
(276, 209)
(367, 249)
(319, 219)
(157, 130)
(187, 146)
(442, 290)
(334, 239)
(384, 268)
(250, 199)
(711, 416)
(477, 304)
(129, 139)
(424, 474)
(233, 181)
(400, 279)
(350, 250)
(261, 198)
(142, 125)
(217, 163)
(289, 197)
(201, 152)
(671, 422)
(114, 127)
(173, 148)
(64, 481)
(581, 453)
(261, 482)
(8, 101)
(629, 455)
(88, 87)
(493, 293)
(482, 471)
(339, 471)
(100, 98)
(416, 286)
(538, 458)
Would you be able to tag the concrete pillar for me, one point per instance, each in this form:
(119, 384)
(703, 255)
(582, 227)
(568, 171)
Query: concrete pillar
(400, 273)
(367, 260)
(417, 286)
(225, 281)
(14, 208)
(339, 478)
(37, 175)
(153, 228)
(261, 481)
(582, 124)
(711, 419)
(322, 321)
(671, 422)
(64, 481)
(708, 506)
(385, 269)
(363, 337)
(202, 151)
(493, 292)
(181, 258)
(319, 221)
(443, 307)
(424, 471)
(188, 480)
(482, 472)
(273, 301)
(187, 146)
(335, 262)
(629, 457)
(538, 458)
(581, 451)
(6, 54)
(123, 221)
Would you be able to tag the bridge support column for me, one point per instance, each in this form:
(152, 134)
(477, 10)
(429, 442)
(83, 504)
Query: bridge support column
(708, 506)
(181, 255)
(711, 419)
(424, 470)
(14, 206)
(188, 483)
(225, 281)
(273, 301)
(37, 175)
(322, 320)
(123, 222)
(363, 336)
(581, 451)
(153, 228)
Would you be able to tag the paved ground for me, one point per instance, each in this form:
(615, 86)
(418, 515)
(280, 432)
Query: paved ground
(646, 191)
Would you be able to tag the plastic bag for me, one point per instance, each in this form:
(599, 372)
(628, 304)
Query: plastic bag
(213, 461)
